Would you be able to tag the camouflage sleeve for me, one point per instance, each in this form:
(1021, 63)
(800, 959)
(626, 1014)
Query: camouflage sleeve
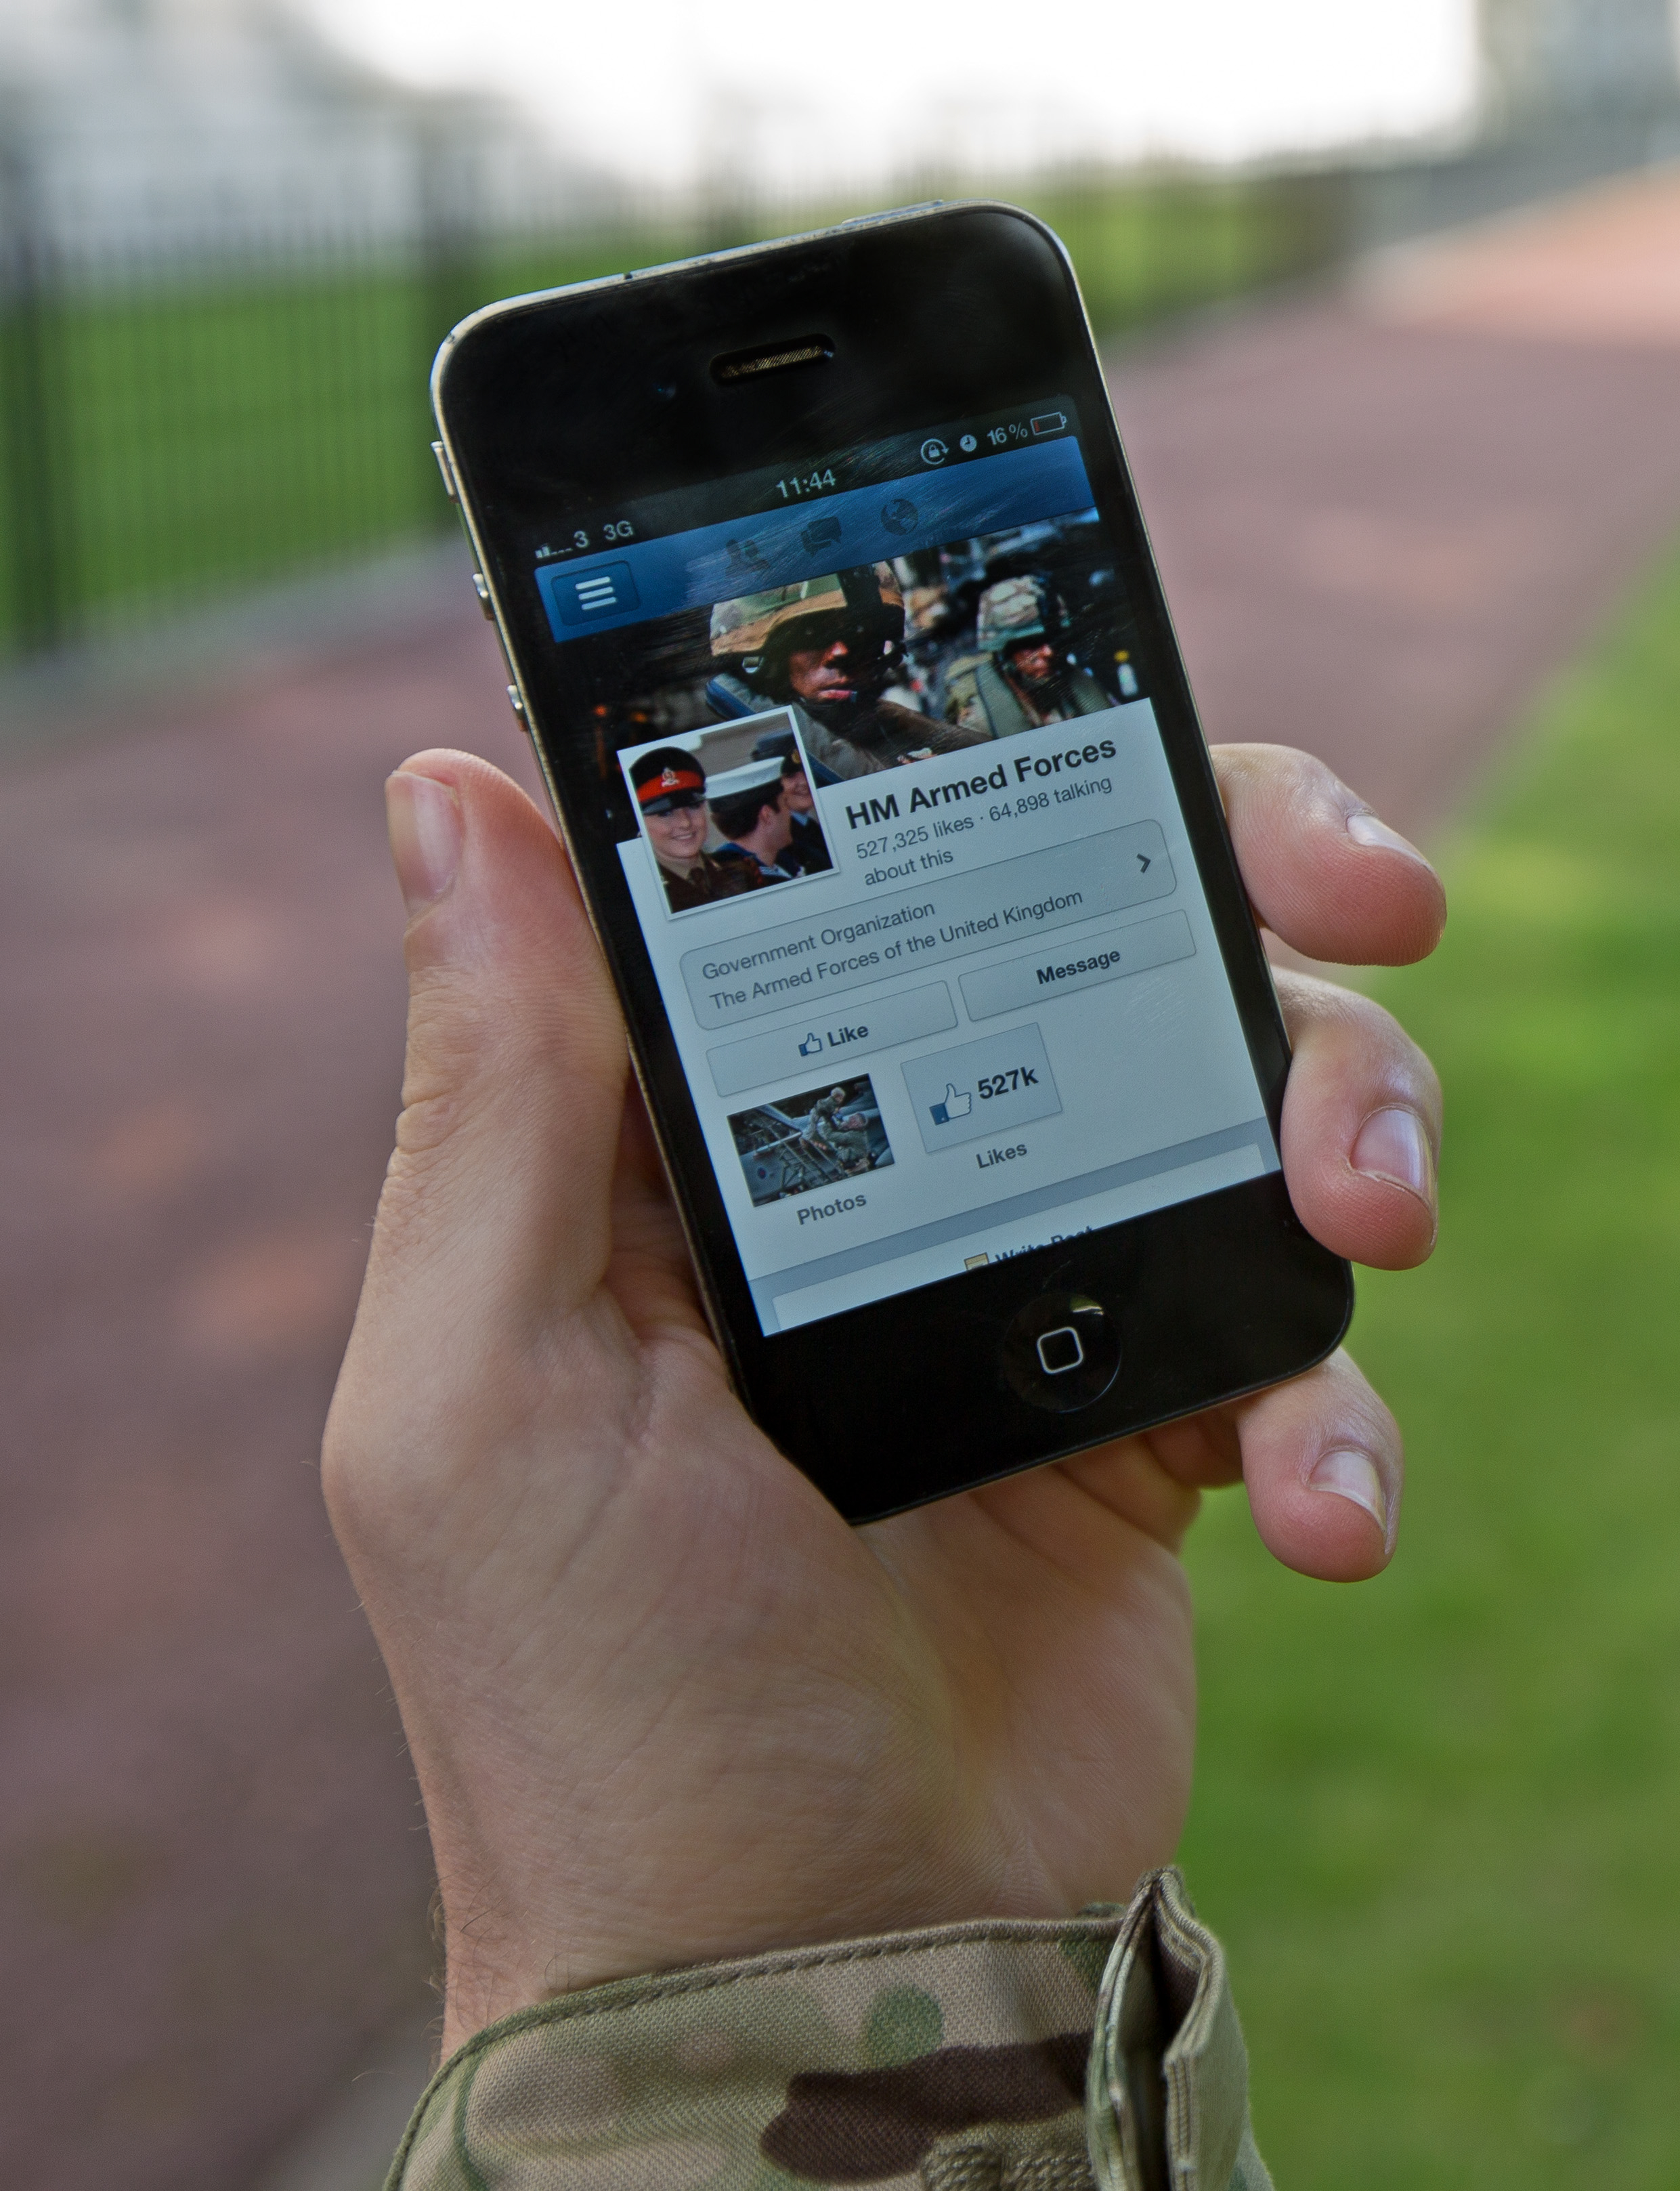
(1099, 2054)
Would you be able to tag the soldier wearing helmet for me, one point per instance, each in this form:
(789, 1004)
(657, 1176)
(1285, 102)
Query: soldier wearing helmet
(827, 647)
(670, 788)
(840, 1137)
(1022, 676)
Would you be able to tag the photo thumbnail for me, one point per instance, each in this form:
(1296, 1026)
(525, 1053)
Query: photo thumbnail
(728, 809)
(941, 650)
(820, 1138)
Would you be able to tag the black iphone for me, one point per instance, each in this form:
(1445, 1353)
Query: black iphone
(833, 619)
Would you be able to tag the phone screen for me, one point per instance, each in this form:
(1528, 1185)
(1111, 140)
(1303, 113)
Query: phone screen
(903, 844)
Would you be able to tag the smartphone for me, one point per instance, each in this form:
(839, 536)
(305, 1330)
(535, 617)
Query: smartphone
(832, 618)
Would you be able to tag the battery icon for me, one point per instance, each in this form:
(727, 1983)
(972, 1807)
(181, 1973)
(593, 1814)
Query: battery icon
(1048, 422)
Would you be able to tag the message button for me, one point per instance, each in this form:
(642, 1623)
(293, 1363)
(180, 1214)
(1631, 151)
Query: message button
(1053, 970)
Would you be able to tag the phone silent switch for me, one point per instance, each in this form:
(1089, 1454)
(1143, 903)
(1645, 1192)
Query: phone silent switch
(1060, 1352)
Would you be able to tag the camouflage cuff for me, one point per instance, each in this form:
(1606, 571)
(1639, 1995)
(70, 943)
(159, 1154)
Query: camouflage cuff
(1100, 2050)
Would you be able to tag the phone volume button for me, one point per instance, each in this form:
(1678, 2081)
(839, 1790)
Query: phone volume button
(515, 702)
(446, 469)
(481, 588)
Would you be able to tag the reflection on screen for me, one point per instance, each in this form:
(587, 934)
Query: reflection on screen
(912, 871)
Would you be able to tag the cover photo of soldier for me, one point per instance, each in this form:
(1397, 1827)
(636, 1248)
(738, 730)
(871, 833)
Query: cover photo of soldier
(821, 1138)
(881, 664)
(728, 810)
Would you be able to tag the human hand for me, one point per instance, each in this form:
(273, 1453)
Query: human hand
(664, 1705)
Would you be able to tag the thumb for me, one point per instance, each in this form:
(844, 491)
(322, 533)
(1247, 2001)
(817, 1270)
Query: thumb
(513, 1085)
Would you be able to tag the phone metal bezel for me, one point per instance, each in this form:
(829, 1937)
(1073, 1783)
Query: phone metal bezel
(1216, 1296)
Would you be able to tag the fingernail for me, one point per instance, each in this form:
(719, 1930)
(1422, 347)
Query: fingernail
(423, 817)
(1392, 1145)
(1365, 829)
(1353, 1474)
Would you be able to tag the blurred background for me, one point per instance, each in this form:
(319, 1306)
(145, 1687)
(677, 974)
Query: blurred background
(1391, 299)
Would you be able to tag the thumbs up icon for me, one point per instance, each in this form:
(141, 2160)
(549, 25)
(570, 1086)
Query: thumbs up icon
(810, 1046)
(957, 1104)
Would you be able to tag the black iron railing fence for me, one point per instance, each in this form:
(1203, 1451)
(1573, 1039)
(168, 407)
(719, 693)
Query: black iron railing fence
(174, 424)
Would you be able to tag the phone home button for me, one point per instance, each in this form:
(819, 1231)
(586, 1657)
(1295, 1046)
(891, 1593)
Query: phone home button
(1060, 1352)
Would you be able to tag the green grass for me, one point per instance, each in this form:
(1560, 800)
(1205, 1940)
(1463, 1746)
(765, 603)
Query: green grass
(1437, 1816)
(214, 432)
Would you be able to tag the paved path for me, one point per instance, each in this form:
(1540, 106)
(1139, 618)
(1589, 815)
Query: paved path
(212, 1876)
(1383, 521)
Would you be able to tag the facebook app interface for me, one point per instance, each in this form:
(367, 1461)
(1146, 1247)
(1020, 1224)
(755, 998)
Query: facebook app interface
(908, 859)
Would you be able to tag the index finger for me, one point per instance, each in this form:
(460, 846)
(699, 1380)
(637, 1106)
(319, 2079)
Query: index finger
(1322, 871)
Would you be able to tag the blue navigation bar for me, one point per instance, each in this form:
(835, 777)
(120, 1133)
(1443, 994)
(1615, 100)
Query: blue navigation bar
(774, 548)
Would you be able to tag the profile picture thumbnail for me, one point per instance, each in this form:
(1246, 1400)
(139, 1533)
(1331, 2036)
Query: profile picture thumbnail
(820, 1138)
(730, 810)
